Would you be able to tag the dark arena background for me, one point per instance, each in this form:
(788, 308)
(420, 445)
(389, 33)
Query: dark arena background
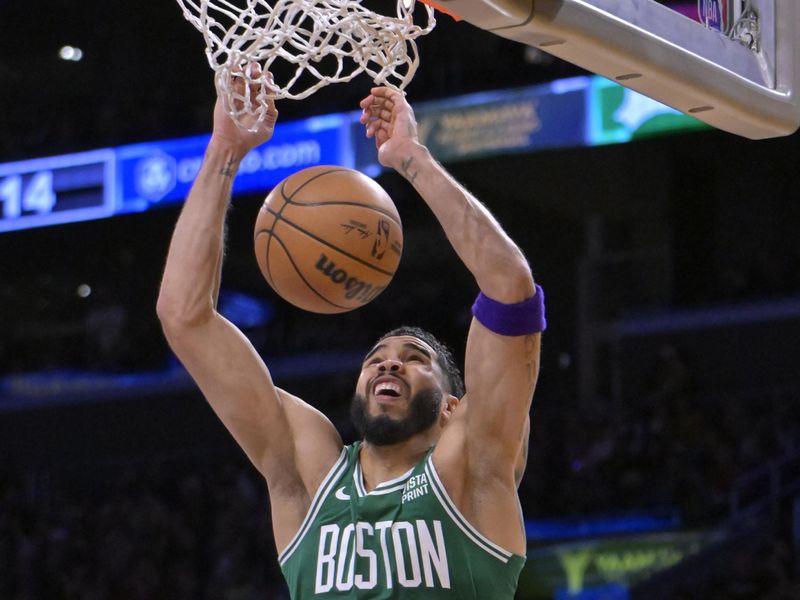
(665, 447)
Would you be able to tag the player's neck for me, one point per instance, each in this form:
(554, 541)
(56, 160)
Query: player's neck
(384, 463)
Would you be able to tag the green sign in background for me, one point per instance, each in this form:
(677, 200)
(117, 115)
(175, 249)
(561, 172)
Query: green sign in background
(576, 566)
(618, 114)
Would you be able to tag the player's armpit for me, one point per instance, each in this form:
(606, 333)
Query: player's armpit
(522, 458)
(480, 456)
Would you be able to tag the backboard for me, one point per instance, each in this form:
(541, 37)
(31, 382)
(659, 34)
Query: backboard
(739, 71)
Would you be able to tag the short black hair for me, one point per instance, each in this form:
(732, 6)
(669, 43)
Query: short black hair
(444, 355)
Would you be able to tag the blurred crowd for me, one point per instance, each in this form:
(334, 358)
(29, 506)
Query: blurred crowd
(670, 445)
(770, 273)
(140, 534)
(765, 571)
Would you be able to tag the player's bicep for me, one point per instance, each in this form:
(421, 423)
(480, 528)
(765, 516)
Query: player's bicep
(500, 374)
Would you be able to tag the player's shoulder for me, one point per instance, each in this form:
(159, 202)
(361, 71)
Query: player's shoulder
(309, 423)
(316, 446)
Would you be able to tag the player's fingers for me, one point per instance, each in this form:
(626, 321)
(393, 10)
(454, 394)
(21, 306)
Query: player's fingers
(254, 79)
(372, 127)
(366, 102)
(272, 111)
(386, 93)
(382, 95)
(366, 113)
(366, 119)
(392, 102)
(236, 82)
(271, 89)
(384, 129)
(374, 106)
(381, 103)
(379, 110)
(253, 70)
(375, 126)
(381, 136)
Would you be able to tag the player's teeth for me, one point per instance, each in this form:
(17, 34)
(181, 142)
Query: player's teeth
(387, 386)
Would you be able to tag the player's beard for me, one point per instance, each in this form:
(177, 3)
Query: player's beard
(383, 430)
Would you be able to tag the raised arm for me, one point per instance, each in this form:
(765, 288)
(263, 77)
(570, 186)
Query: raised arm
(289, 442)
(500, 371)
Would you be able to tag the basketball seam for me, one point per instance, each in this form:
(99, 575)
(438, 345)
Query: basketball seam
(272, 234)
(286, 200)
(290, 198)
(328, 244)
(384, 212)
(268, 273)
(277, 217)
(306, 182)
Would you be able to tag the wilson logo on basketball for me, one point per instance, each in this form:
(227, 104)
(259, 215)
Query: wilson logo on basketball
(354, 288)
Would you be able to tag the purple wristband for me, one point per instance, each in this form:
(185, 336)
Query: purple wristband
(522, 318)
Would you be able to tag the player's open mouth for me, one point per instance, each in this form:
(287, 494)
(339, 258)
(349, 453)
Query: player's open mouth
(387, 387)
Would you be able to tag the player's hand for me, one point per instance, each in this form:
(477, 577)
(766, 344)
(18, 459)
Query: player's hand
(237, 138)
(389, 119)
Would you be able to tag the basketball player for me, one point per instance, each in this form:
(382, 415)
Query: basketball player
(425, 505)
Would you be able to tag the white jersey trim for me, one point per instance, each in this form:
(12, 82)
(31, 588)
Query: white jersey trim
(450, 508)
(386, 487)
(323, 491)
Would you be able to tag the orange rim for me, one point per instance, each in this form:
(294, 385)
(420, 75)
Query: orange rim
(441, 8)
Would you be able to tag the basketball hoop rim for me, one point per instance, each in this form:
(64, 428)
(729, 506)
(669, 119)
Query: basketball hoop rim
(437, 6)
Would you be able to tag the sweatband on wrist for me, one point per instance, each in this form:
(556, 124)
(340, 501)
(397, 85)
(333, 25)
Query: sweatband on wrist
(522, 318)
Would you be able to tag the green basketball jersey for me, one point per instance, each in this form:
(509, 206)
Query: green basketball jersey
(404, 539)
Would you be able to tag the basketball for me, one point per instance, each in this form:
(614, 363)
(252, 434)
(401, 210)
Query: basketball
(328, 239)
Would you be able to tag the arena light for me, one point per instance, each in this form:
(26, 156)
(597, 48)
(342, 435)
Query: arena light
(70, 53)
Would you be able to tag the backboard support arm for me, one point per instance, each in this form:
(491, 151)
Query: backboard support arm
(648, 47)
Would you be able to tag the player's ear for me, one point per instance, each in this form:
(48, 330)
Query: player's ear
(449, 403)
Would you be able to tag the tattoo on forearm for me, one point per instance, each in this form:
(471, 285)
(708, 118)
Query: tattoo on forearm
(406, 164)
(228, 170)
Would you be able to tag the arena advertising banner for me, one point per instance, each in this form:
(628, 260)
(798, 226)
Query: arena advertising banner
(162, 172)
(606, 567)
(618, 114)
(551, 115)
(574, 112)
